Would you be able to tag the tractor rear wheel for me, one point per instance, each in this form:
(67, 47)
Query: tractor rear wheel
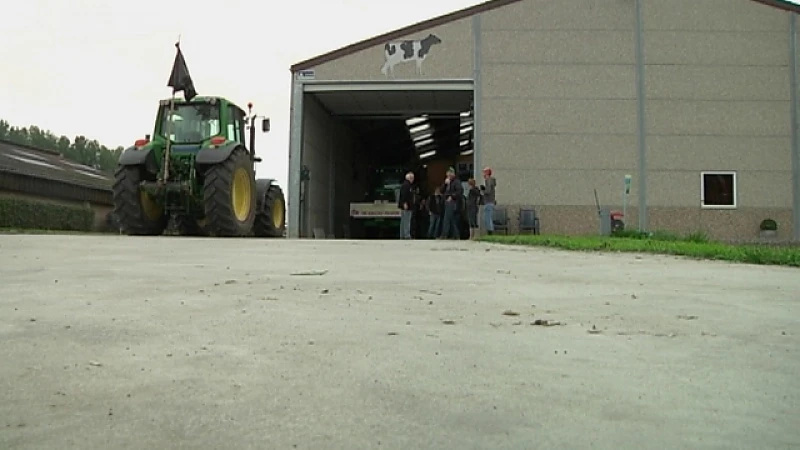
(229, 196)
(137, 212)
(271, 216)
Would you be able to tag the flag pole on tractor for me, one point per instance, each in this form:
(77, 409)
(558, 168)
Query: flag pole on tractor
(179, 80)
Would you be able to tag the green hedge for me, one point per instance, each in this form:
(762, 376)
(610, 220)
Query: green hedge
(39, 215)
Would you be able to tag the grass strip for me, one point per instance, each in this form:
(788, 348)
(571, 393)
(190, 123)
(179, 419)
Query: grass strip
(692, 246)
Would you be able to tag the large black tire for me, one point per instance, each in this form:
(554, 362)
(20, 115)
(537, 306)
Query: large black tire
(271, 215)
(229, 196)
(136, 212)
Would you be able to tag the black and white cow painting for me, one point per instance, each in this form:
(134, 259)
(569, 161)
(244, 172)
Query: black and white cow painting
(397, 52)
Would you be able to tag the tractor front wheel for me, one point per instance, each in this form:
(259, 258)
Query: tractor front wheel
(271, 216)
(229, 196)
(136, 211)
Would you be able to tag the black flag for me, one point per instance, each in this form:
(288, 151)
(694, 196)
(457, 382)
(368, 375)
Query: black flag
(179, 79)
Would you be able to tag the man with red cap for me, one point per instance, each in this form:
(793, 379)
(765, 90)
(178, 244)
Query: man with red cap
(489, 200)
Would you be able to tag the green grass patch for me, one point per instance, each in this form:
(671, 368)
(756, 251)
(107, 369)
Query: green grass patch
(696, 245)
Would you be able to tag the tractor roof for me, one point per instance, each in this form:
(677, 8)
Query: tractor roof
(203, 98)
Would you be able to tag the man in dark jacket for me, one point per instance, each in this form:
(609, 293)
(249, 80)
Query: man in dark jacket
(406, 204)
(452, 192)
(435, 209)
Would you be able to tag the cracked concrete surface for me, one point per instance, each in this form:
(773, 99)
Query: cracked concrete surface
(113, 342)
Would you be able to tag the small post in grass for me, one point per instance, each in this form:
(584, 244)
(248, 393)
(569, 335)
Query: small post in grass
(625, 192)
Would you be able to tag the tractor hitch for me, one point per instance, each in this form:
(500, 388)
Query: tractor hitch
(174, 196)
(159, 188)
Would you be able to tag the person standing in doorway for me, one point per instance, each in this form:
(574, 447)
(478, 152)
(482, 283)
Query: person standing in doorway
(452, 192)
(420, 228)
(406, 205)
(435, 209)
(488, 188)
(473, 203)
(415, 211)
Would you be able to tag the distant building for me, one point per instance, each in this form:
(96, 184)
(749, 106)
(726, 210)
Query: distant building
(549, 90)
(27, 172)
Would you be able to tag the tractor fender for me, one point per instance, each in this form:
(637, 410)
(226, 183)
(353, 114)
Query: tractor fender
(132, 156)
(209, 156)
(263, 184)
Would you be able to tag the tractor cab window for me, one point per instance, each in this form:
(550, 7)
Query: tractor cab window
(192, 123)
(236, 125)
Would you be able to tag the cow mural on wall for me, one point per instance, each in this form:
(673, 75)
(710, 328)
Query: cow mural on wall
(398, 52)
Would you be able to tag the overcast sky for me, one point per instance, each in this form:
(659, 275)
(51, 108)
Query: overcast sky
(98, 67)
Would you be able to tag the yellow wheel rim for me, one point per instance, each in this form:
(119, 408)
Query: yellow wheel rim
(241, 194)
(277, 213)
(150, 208)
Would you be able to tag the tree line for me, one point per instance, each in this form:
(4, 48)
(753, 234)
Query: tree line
(80, 150)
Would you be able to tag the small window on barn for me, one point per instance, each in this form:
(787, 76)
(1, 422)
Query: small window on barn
(718, 190)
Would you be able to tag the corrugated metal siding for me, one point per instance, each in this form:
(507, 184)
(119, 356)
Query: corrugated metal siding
(54, 189)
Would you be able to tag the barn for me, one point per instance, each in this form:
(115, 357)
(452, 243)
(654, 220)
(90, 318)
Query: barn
(41, 175)
(695, 102)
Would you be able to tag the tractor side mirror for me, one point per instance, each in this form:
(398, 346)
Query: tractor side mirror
(265, 125)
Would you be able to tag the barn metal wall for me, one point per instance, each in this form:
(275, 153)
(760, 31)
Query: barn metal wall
(51, 189)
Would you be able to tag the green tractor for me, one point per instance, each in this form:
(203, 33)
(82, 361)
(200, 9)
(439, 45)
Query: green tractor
(197, 171)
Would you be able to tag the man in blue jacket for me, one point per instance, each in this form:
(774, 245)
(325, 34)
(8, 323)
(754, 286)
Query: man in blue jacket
(489, 189)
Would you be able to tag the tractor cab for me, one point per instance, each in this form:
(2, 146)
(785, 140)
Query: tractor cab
(191, 125)
(205, 122)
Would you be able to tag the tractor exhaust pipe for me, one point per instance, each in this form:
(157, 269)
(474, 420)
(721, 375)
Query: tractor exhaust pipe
(253, 136)
(252, 118)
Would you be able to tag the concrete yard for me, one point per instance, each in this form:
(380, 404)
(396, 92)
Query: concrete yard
(111, 342)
